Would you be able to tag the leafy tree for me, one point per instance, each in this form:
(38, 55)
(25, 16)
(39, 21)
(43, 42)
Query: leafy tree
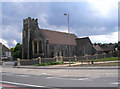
(118, 45)
(17, 51)
(12, 50)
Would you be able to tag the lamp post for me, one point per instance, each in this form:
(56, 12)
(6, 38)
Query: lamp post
(68, 38)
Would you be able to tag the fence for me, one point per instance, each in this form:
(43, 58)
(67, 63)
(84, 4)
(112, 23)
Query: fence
(29, 62)
(60, 59)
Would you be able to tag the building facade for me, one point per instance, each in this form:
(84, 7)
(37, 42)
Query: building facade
(84, 46)
(5, 52)
(39, 42)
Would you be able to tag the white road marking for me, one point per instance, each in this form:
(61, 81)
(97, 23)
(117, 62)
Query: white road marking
(21, 84)
(67, 78)
(19, 75)
(83, 79)
(116, 83)
(23, 75)
(44, 73)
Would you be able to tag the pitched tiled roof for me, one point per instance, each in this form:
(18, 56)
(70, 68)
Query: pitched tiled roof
(61, 38)
(108, 47)
(3, 46)
(97, 48)
(83, 41)
(102, 47)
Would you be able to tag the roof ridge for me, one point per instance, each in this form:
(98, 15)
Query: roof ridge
(57, 31)
(6, 47)
(83, 37)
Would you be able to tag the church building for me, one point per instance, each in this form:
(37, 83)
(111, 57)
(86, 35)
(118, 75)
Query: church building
(37, 42)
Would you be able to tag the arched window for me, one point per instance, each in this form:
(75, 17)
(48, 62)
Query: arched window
(40, 46)
(35, 46)
(62, 52)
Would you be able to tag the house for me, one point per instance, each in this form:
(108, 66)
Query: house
(5, 52)
(38, 42)
(84, 46)
(104, 48)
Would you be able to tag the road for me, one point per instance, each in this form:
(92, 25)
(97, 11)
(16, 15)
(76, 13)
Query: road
(52, 78)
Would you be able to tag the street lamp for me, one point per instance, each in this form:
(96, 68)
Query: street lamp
(68, 38)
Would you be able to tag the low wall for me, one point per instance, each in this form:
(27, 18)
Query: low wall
(29, 62)
(34, 61)
(2, 63)
(60, 59)
(67, 58)
(48, 60)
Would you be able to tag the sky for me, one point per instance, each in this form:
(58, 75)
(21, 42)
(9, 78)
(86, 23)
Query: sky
(97, 19)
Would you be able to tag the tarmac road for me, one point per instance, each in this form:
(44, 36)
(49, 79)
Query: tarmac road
(58, 81)
(52, 78)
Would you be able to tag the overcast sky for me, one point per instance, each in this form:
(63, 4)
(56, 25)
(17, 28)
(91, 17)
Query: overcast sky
(97, 19)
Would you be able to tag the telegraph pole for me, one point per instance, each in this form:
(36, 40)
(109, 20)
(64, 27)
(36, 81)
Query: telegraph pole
(68, 39)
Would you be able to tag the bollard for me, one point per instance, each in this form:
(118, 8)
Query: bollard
(18, 62)
(56, 59)
(88, 61)
(39, 59)
(75, 57)
(86, 56)
(3, 63)
(61, 58)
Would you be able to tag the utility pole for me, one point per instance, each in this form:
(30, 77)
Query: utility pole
(68, 39)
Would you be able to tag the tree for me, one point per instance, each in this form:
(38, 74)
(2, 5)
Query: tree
(17, 51)
(12, 50)
(118, 45)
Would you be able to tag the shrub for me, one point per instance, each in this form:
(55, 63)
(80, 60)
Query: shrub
(49, 63)
(52, 63)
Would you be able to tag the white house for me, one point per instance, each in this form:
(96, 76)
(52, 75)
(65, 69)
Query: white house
(5, 52)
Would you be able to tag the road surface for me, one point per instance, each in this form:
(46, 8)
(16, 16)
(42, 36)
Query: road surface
(57, 78)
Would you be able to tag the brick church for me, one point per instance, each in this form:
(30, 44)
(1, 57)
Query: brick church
(39, 42)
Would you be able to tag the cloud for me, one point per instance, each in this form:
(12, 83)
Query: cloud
(118, 35)
(4, 42)
(45, 0)
(15, 42)
(84, 19)
(44, 24)
(11, 34)
(109, 38)
(104, 7)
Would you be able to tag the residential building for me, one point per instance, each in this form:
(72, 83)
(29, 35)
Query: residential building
(5, 52)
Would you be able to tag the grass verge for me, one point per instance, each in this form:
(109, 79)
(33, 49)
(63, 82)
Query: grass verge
(107, 59)
(47, 64)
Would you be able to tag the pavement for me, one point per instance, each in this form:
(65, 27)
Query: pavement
(54, 67)
(76, 65)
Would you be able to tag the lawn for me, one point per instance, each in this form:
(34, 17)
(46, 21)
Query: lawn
(47, 64)
(95, 60)
(107, 59)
